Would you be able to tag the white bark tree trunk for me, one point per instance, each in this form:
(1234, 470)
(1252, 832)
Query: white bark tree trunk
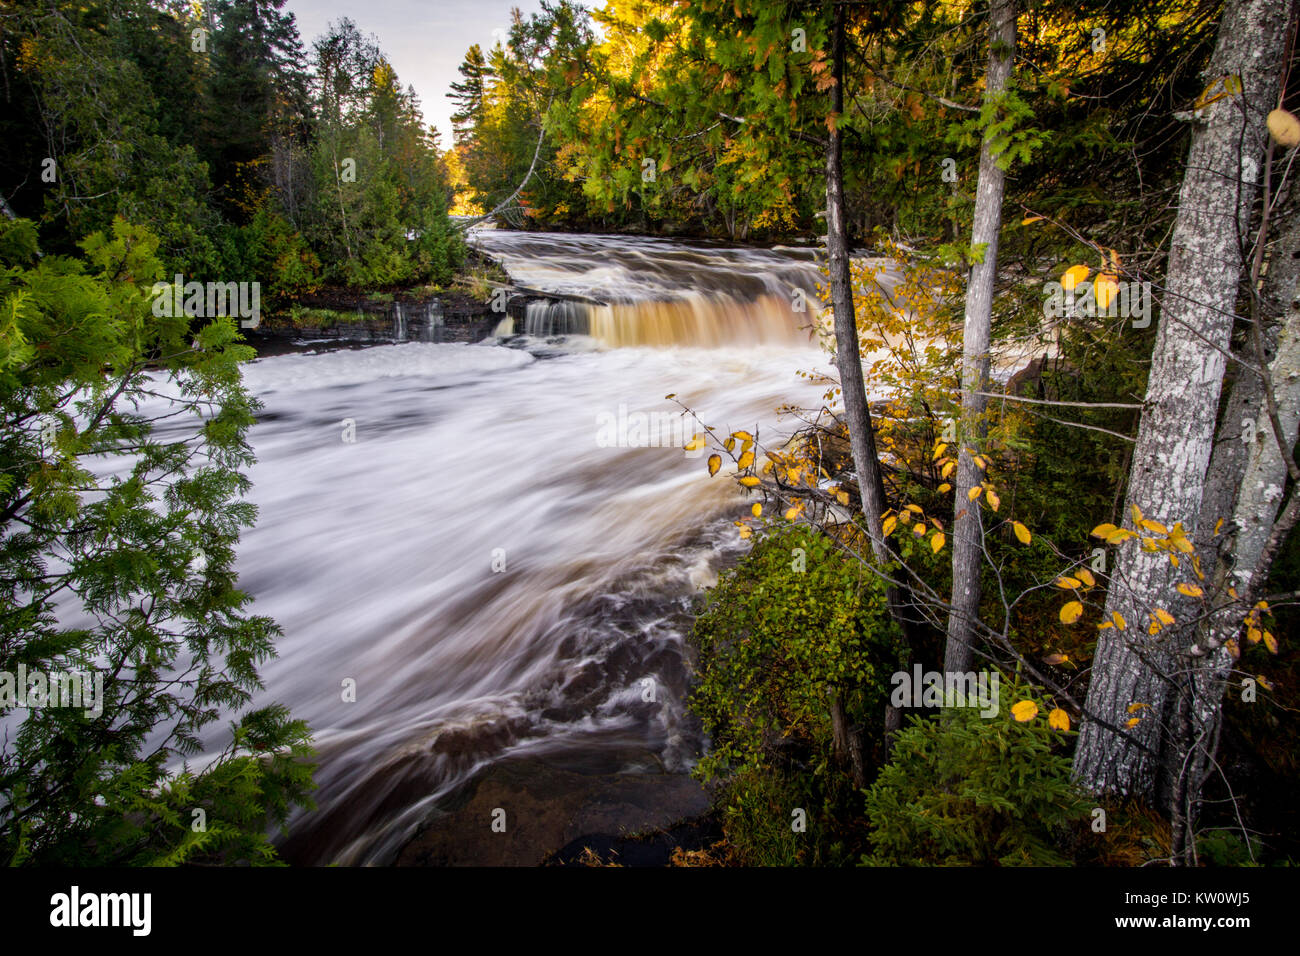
(1172, 453)
(968, 529)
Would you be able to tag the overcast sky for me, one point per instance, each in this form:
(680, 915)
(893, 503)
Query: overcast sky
(425, 41)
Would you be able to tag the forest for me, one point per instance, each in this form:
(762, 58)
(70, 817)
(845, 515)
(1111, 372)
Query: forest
(1019, 586)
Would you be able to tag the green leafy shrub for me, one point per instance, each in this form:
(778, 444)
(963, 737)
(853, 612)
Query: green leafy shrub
(961, 789)
(794, 624)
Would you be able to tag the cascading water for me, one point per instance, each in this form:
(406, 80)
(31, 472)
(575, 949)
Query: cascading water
(495, 577)
(649, 291)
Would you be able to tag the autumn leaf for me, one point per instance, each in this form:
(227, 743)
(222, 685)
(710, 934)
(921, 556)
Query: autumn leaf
(992, 498)
(1071, 612)
(745, 461)
(715, 462)
(1024, 710)
(944, 488)
(1073, 276)
(919, 528)
(1065, 581)
(749, 481)
(890, 524)
(1132, 722)
(1191, 590)
(1058, 720)
(756, 509)
(1270, 642)
(973, 493)
(1057, 658)
(1103, 531)
(1022, 533)
(936, 542)
(1084, 575)
(1104, 290)
(842, 497)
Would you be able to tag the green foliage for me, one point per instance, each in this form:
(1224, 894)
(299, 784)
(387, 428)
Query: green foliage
(774, 642)
(964, 790)
(117, 548)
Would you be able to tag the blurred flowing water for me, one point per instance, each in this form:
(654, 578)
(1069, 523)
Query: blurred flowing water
(495, 577)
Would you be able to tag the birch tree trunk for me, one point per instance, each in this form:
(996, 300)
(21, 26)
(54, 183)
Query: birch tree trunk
(1167, 479)
(1255, 472)
(968, 529)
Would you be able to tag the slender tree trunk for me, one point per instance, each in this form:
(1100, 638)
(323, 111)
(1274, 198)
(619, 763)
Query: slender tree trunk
(968, 531)
(848, 359)
(1175, 437)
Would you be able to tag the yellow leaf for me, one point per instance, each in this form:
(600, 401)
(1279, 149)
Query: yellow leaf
(916, 509)
(1073, 276)
(1191, 590)
(1104, 530)
(1118, 618)
(1154, 526)
(746, 460)
(945, 488)
(729, 444)
(1132, 722)
(842, 497)
(1218, 525)
(1084, 575)
(919, 528)
(1104, 288)
(715, 462)
(1024, 710)
(1231, 647)
(1065, 581)
(746, 532)
(1118, 535)
(889, 526)
(1164, 617)
(938, 452)
(947, 469)
(743, 436)
(756, 509)
(1030, 219)
(1071, 612)
(1135, 707)
(992, 498)
(973, 493)
(1270, 642)
(1263, 682)
(1058, 720)
(749, 481)
(1137, 514)
(1253, 635)
(696, 443)
(793, 513)
(1022, 533)
(936, 543)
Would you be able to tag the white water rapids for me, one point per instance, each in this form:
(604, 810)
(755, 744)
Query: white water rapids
(377, 557)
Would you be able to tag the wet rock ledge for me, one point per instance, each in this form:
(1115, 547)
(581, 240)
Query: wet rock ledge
(552, 813)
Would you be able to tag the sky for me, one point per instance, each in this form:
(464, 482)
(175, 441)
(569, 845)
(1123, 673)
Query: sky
(425, 41)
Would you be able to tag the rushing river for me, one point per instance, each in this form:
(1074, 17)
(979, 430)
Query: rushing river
(495, 575)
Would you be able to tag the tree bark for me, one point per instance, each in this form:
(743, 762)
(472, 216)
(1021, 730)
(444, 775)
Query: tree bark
(1167, 479)
(848, 359)
(968, 530)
